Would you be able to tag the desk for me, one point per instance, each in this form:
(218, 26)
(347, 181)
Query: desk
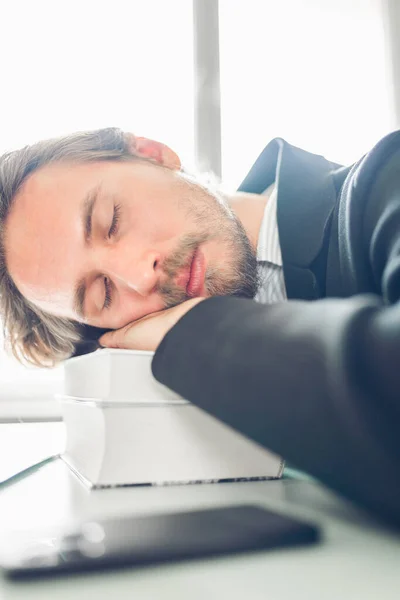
(358, 558)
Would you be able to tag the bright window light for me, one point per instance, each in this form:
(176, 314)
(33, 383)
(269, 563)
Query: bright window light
(313, 72)
(76, 65)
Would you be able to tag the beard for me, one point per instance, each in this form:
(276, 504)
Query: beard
(235, 276)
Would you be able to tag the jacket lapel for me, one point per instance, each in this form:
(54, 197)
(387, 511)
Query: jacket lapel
(306, 196)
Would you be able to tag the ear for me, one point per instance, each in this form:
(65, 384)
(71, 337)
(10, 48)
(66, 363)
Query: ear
(162, 154)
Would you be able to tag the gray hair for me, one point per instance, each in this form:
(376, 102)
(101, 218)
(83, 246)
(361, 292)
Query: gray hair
(32, 335)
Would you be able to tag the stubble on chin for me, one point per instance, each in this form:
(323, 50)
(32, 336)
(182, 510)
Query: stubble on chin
(237, 275)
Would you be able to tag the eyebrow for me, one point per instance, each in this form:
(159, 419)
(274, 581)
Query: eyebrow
(86, 219)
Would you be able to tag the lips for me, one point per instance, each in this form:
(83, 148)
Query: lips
(191, 277)
(196, 277)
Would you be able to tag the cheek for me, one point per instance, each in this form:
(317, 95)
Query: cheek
(160, 222)
(131, 309)
(220, 255)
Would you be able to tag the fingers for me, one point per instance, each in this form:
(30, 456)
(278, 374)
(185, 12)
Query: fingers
(119, 338)
(134, 336)
(111, 339)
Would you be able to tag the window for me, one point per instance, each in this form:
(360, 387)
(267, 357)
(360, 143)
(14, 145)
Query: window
(312, 72)
(73, 65)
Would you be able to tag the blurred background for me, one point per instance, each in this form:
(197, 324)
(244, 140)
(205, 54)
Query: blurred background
(216, 80)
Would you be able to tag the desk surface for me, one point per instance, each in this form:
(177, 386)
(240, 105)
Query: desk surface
(358, 558)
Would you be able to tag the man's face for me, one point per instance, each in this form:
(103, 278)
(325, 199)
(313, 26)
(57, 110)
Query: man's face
(106, 243)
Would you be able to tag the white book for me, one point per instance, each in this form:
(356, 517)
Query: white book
(125, 428)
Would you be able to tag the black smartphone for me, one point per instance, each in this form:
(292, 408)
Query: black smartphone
(158, 538)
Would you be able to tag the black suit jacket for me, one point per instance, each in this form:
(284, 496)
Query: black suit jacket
(316, 382)
(306, 196)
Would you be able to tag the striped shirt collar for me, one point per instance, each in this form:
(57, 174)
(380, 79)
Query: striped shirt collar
(268, 248)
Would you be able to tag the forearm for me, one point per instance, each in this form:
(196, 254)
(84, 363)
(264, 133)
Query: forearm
(294, 377)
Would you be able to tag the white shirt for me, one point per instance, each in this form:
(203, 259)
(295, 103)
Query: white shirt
(269, 257)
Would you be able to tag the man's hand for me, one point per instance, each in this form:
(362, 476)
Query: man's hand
(147, 333)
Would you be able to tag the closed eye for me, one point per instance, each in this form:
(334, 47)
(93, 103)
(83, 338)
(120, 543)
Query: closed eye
(107, 297)
(115, 220)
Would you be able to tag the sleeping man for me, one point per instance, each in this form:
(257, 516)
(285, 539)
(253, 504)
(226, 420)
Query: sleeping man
(276, 308)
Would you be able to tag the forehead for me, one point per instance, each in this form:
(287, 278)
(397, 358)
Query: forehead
(61, 179)
(57, 179)
(58, 191)
(43, 229)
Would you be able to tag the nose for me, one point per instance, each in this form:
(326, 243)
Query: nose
(125, 270)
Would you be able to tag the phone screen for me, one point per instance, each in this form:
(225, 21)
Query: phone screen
(136, 540)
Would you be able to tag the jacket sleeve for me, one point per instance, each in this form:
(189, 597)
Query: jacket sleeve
(317, 383)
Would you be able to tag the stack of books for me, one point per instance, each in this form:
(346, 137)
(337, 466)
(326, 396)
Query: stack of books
(125, 428)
